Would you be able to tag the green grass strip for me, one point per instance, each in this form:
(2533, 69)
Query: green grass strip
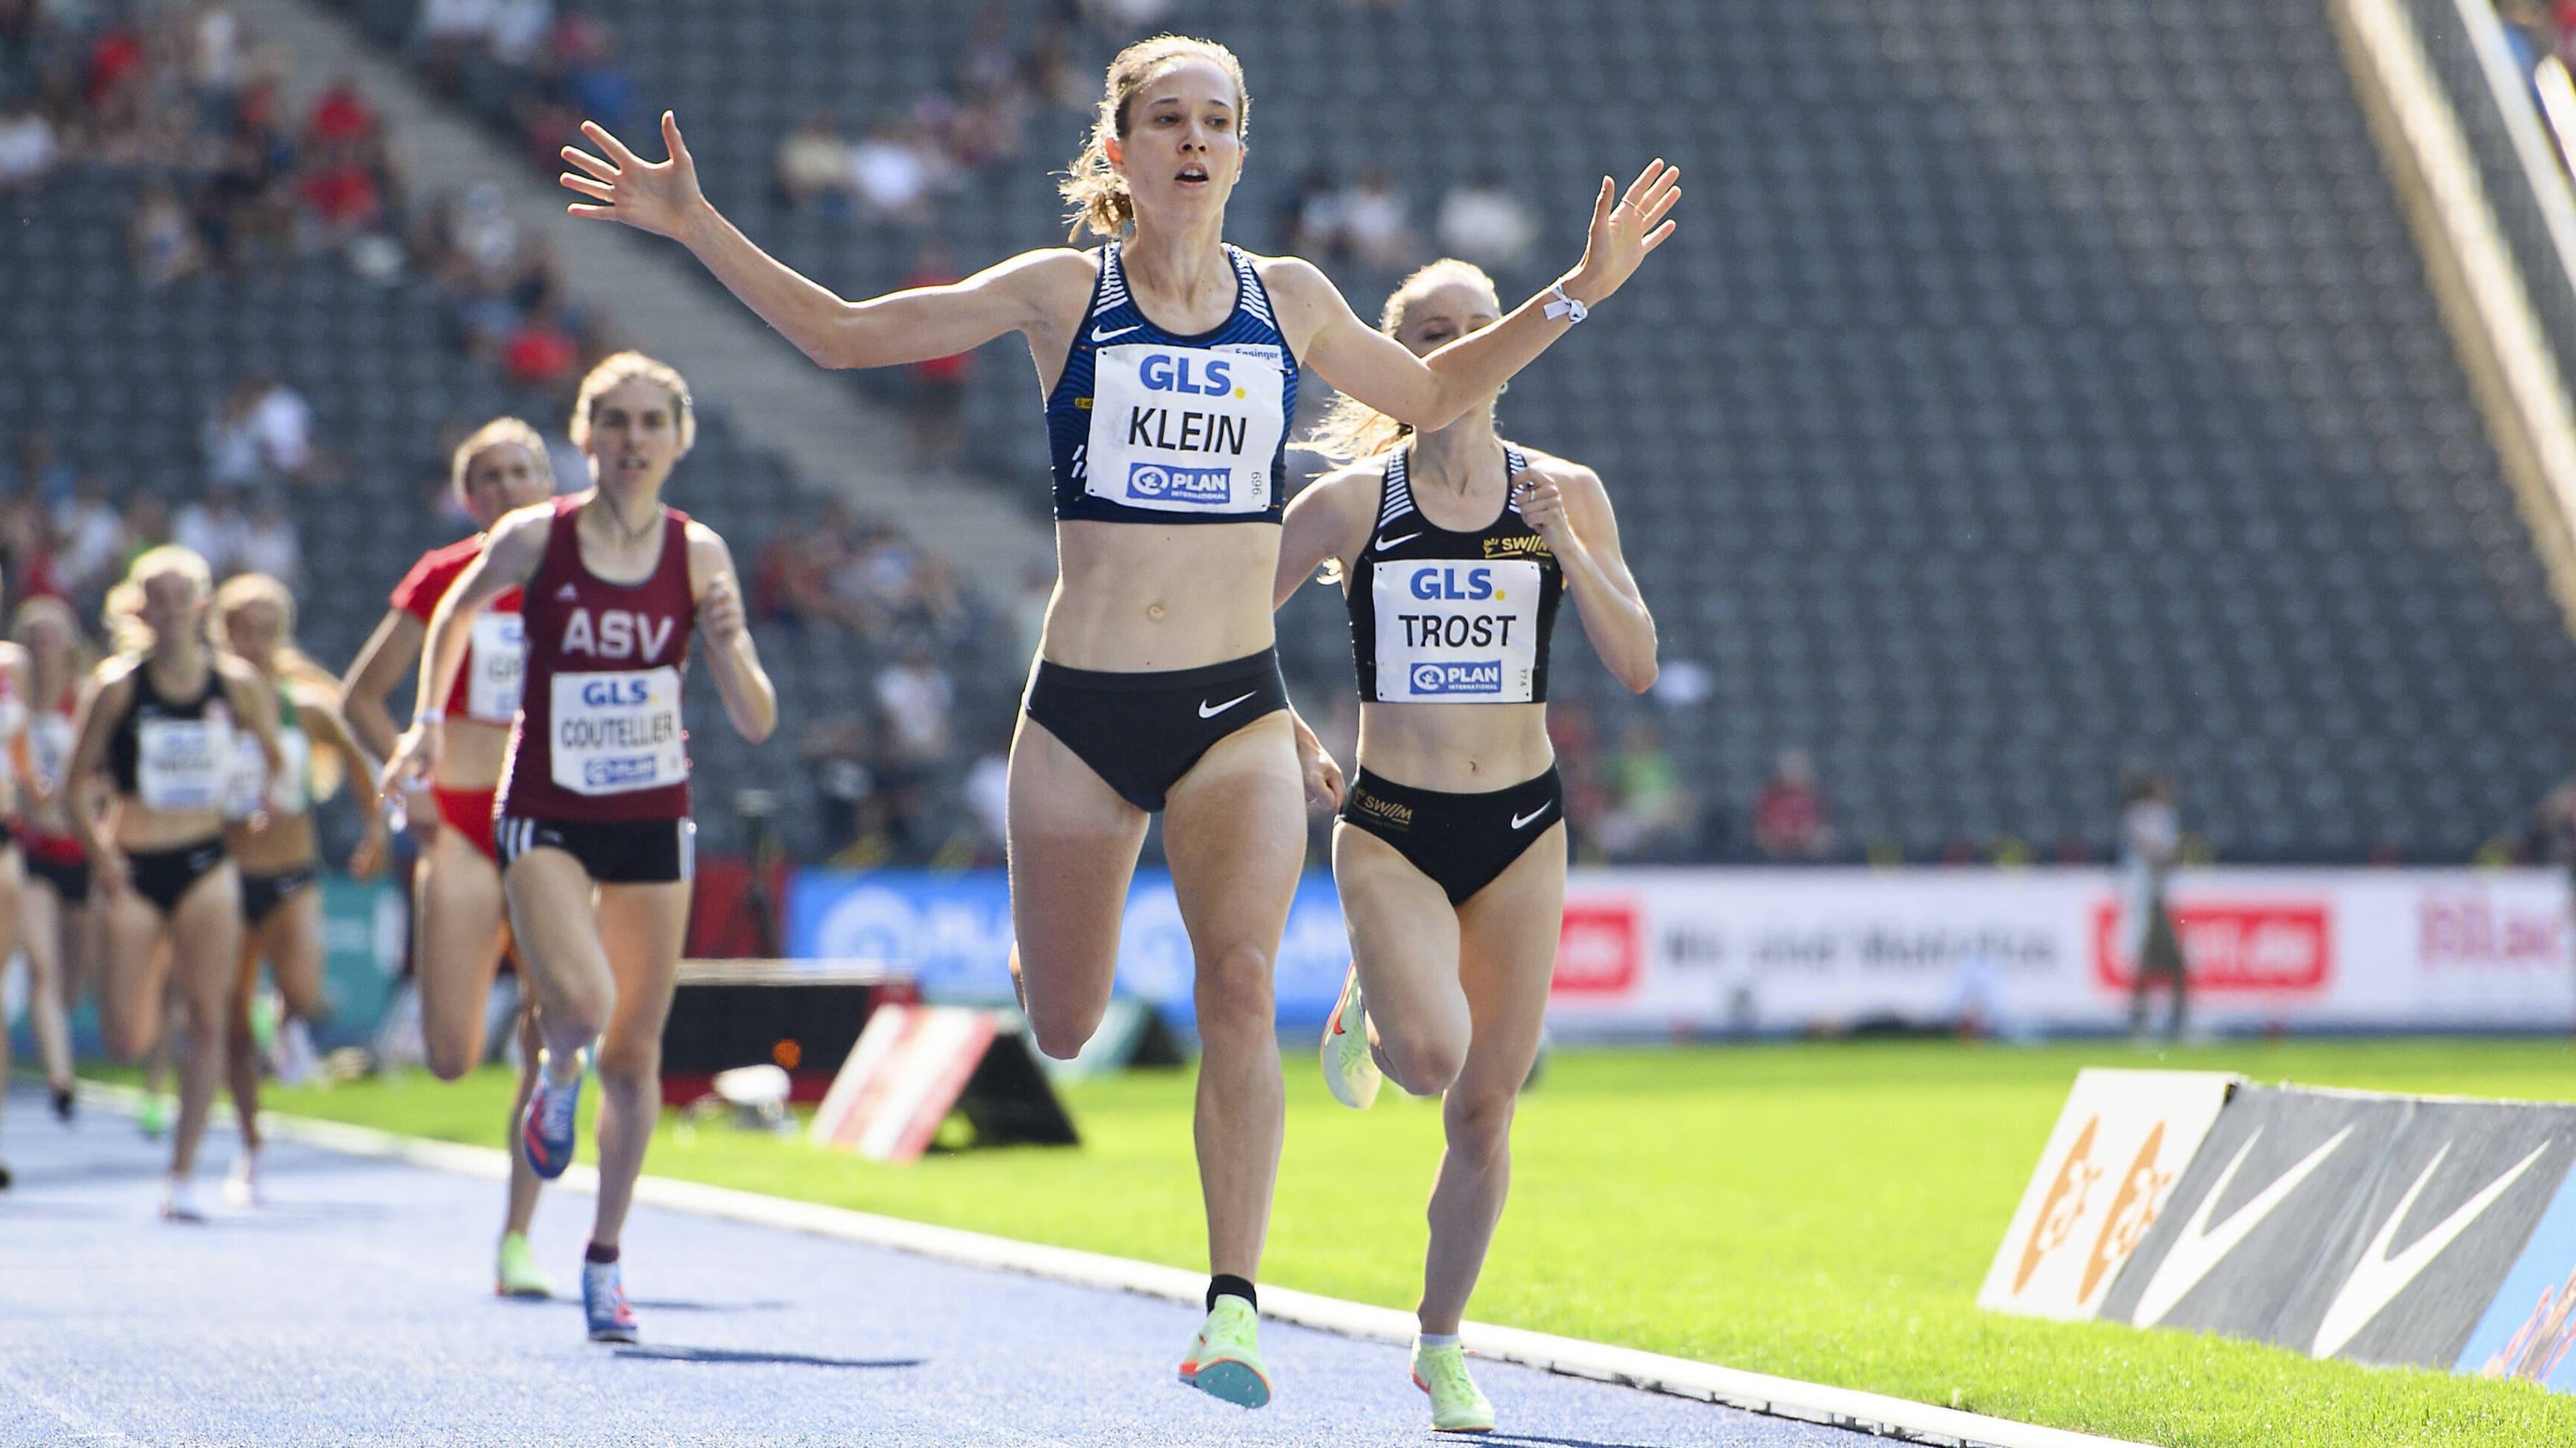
(1820, 1212)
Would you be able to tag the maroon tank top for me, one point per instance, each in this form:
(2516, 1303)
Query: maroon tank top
(599, 734)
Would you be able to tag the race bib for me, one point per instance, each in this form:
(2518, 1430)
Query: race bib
(49, 747)
(286, 794)
(1456, 631)
(1184, 429)
(618, 732)
(498, 669)
(182, 763)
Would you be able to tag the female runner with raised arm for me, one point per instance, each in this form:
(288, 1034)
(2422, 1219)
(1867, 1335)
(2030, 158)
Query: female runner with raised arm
(1170, 360)
(458, 930)
(597, 848)
(159, 719)
(272, 843)
(1453, 549)
(53, 909)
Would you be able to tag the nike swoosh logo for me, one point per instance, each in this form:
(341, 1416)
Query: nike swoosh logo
(2378, 1277)
(1520, 820)
(1384, 544)
(1210, 711)
(1098, 335)
(2201, 1248)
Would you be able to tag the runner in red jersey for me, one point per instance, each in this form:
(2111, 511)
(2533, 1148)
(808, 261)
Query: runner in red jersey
(595, 837)
(458, 933)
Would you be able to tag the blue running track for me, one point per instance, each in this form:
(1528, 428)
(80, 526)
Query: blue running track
(356, 1308)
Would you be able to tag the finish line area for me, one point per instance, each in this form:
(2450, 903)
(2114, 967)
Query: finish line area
(354, 1308)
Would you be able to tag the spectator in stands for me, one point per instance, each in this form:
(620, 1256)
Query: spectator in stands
(215, 59)
(792, 579)
(1789, 819)
(27, 540)
(262, 432)
(936, 612)
(91, 538)
(892, 174)
(1377, 219)
(540, 350)
(339, 192)
(147, 526)
(341, 116)
(2150, 845)
(835, 752)
(914, 698)
(28, 145)
(817, 168)
(159, 241)
(214, 527)
(269, 543)
(1124, 20)
(1485, 223)
(1050, 74)
(595, 80)
(987, 796)
(874, 584)
(1651, 816)
(988, 129)
(1310, 218)
(938, 414)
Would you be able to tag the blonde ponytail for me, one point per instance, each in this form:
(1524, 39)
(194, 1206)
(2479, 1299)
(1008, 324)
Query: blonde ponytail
(1351, 429)
(1092, 188)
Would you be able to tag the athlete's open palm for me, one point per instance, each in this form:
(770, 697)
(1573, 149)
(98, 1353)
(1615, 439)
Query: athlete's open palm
(654, 196)
(1625, 231)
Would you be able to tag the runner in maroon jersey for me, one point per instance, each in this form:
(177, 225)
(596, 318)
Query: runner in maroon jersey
(596, 843)
(458, 933)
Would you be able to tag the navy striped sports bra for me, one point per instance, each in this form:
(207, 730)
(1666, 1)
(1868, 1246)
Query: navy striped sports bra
(1148, 426)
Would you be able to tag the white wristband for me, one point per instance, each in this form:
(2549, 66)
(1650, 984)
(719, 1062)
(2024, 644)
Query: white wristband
(429, 716)
(1564, 307)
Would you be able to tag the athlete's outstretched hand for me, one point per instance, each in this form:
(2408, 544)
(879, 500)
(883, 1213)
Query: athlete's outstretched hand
(415, 758)
(1623, 233)
(654, 196)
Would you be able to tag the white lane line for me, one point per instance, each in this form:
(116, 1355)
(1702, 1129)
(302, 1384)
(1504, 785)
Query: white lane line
(1900, 1419)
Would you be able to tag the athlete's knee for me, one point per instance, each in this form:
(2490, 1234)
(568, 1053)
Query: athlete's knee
(1479, 1122)
(449, 1054)
(1061, 1019)
(128, 1036)
(1423, 1060)
(1062, 1029)
(628, 1063)
(1234, 990)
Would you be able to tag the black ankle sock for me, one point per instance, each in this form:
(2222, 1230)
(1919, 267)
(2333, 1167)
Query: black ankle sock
(597, 1253)
(1226, 1284)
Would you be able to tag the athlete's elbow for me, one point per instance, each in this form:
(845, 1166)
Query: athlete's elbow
(1639, 669)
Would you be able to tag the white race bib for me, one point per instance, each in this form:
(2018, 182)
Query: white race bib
(182, 763)
(618, 732)
(49, 747)
(499, 668)
(1184, 429)
(286, 794)
(1456, 630)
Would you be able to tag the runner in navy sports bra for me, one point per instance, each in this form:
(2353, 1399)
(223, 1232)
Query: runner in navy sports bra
(595, 840)
(1168, 360)
(158, 721)
(1454, 550)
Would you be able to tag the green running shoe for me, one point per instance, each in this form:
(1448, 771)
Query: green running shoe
(1456, 1404)
(516, 1274)
(1225, 1358)
(1350, 1072)
(152, 1115)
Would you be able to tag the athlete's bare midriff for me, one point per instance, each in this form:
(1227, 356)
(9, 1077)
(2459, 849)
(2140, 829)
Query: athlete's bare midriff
(1455, 748)
(1133, 598)
(286, 844)
(471, 754)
